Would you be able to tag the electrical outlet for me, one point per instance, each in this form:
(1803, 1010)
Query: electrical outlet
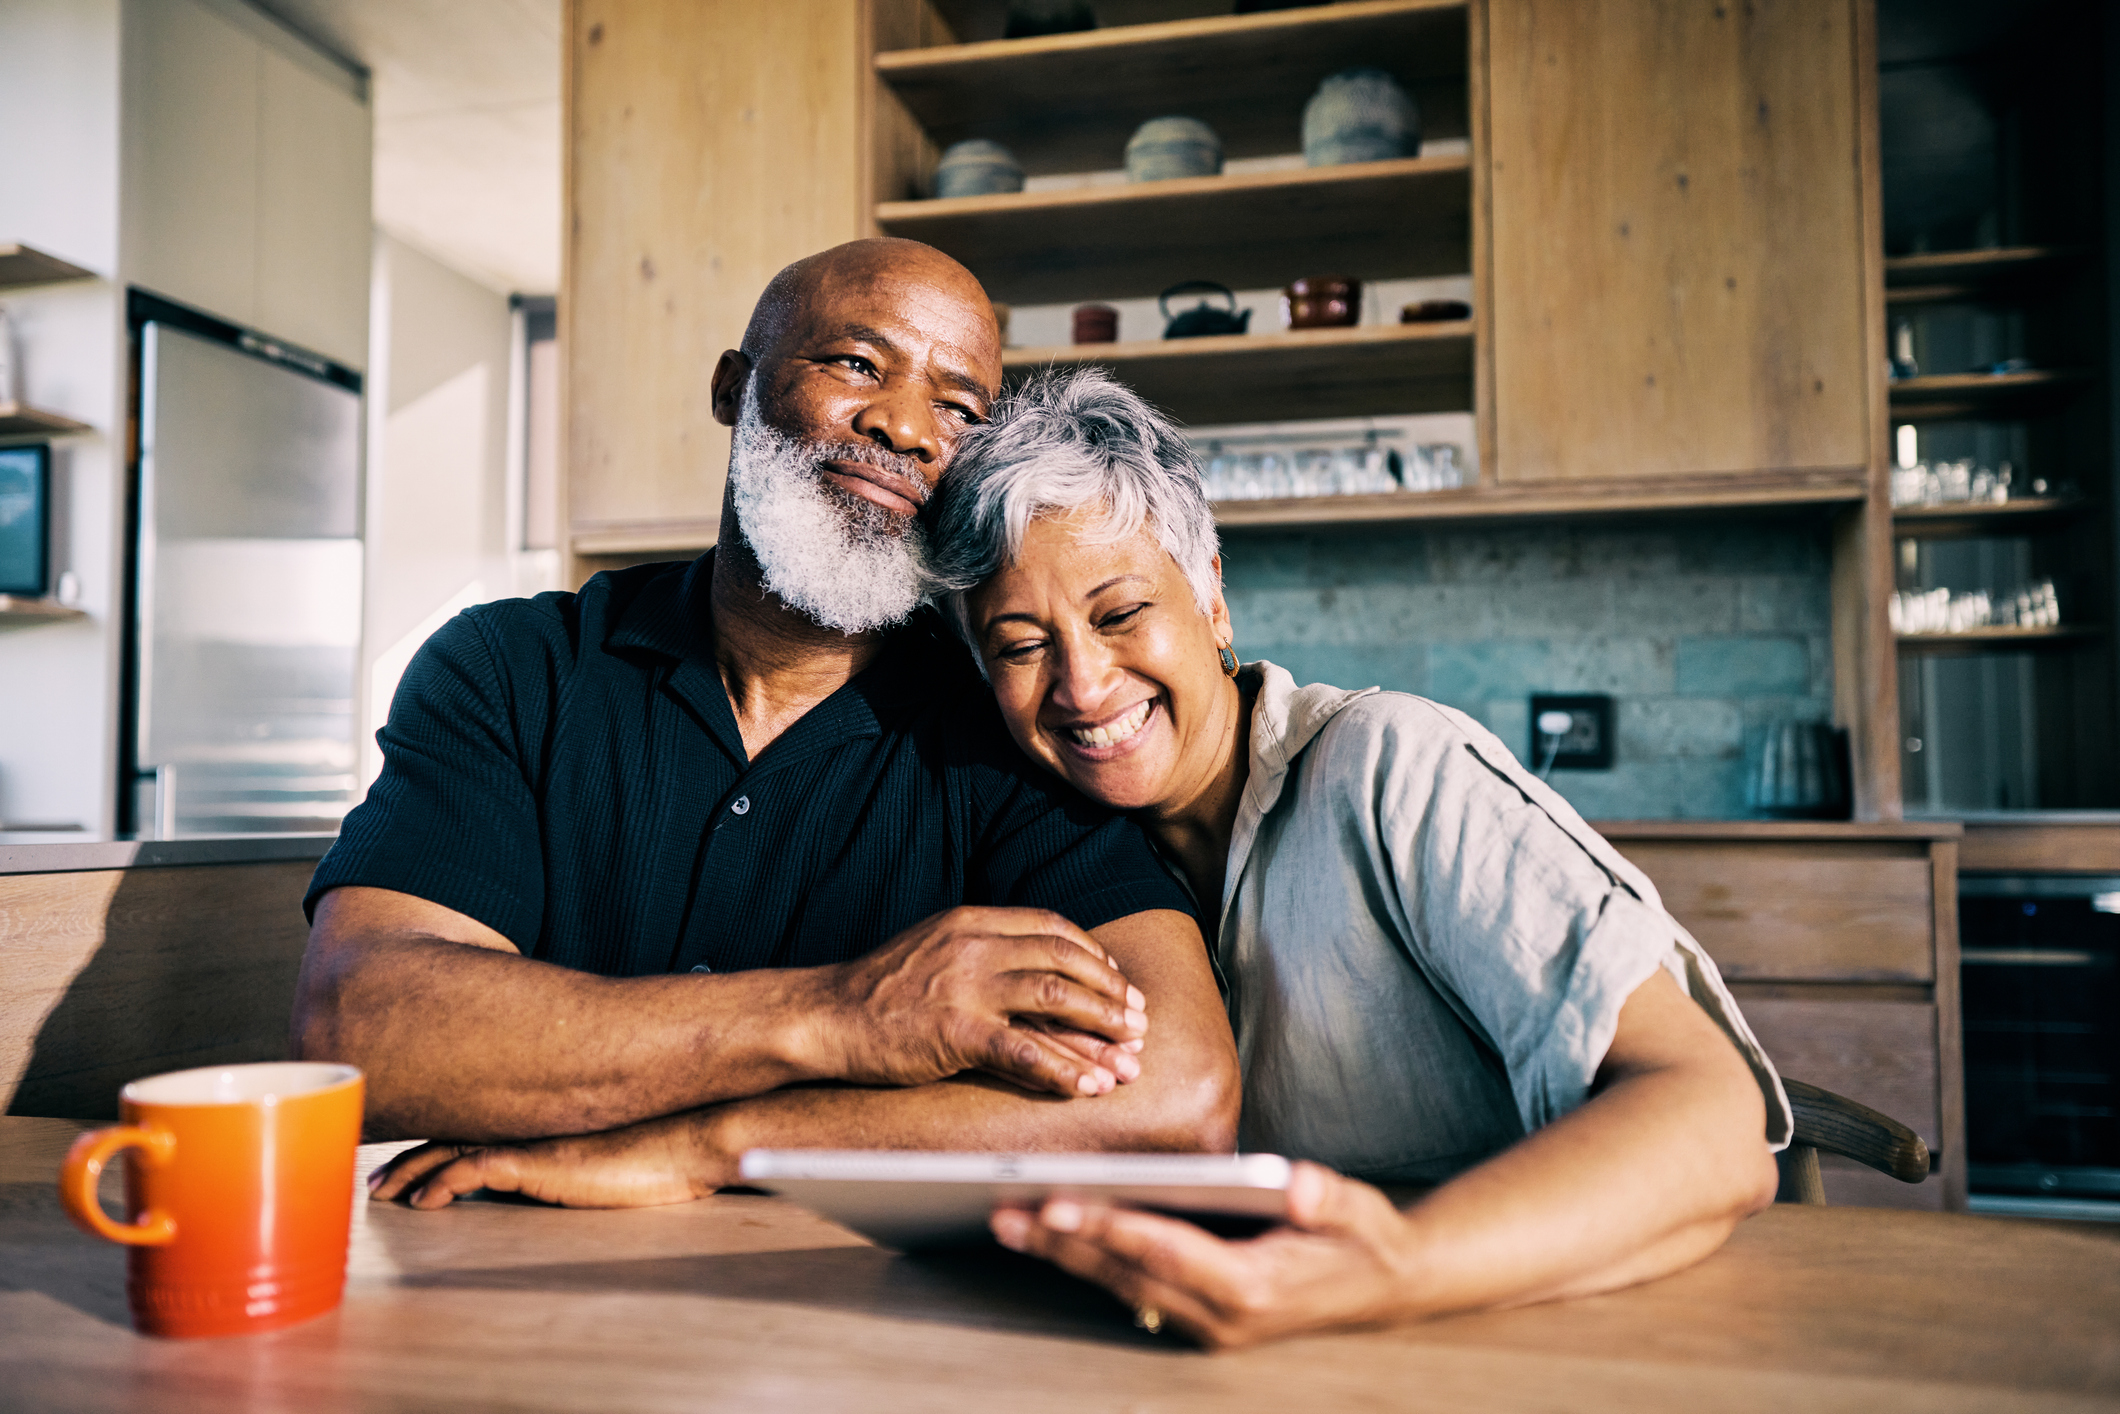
(1586, 744)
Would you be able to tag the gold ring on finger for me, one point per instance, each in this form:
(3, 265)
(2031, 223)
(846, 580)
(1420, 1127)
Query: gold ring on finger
(1148, 1318)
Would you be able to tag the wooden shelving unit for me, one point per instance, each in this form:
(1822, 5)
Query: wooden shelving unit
(1068, 102)
(17, 611)
(21, 420)
(1392, 368)
(1957, 518)
(1374, 220)
(1997, 639)
(22, 266)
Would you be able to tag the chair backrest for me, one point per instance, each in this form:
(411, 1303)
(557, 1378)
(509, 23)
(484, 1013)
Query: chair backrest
(1837, 1125)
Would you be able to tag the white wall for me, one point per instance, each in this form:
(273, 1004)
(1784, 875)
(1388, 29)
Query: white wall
(59, 85)
(439, 509)
(194, 148)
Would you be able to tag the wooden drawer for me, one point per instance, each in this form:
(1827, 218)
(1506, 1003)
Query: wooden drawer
(1814, 911)
(1878, 1053)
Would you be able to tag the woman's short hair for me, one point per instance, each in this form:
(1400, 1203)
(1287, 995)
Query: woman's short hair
(1067, 441)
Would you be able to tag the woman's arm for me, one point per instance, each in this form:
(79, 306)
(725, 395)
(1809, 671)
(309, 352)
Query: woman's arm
(1649, 1176)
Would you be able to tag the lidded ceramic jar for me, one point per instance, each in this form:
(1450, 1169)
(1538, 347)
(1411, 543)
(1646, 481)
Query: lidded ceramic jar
(1360, 115)
(977, 167)
(1163, 148)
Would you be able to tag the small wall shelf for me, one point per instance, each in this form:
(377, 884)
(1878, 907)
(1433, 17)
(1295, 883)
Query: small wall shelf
(1068, 102)
(1956, 519)
(17, 611)
(1379, 220)
(22, 266)
(21, 420)
(1996, 639)
(1301, 373)
(1947, 397)
(1551, 499)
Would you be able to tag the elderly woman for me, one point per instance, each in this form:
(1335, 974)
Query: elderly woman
(1436, 972)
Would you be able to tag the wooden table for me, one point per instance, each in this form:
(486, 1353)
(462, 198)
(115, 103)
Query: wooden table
(750, 1303)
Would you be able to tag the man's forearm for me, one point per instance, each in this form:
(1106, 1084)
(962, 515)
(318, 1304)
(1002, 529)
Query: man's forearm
(471, 1044)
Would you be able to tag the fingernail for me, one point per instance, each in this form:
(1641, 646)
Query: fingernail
(375, 1180)
(1136, 1020)
(1087, 1084)
(1135, 1000)
(1134, 1046)
(1062, 1216)
(1126, 1065)
(1012, 1229)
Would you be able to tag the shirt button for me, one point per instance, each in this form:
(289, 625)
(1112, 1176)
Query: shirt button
(742, 806)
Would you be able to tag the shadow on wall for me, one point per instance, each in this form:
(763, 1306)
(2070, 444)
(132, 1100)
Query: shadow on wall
(117, 974)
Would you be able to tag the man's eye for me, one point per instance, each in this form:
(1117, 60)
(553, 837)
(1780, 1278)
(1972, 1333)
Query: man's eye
(966, 417)
(855, 362)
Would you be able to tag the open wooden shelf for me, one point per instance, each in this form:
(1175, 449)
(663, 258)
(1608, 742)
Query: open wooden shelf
(1945, 397)
(21, 420)
(16, 610)
(1068, 102)
(1357, 372)
(1996, 639)
(1670, 495)
(1964, 266)
(22, 266)
(1371, 220)
(1955, 519)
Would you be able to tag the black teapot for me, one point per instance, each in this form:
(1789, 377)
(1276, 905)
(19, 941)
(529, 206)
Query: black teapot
(1203, 318)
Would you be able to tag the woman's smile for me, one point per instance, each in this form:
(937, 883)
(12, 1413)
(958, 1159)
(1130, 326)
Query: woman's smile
(1116, 735)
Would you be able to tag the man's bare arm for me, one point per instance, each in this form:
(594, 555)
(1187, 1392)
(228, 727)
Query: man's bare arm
(1185, 1098)
(461, 1036)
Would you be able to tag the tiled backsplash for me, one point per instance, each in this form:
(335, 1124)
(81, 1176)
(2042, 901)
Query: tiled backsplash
(1703, 631)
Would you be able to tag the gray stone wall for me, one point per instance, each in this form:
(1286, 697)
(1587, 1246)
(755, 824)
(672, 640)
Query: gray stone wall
(1703, 631)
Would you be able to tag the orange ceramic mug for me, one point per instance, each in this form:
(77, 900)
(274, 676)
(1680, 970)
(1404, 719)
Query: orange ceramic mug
(239, 1189)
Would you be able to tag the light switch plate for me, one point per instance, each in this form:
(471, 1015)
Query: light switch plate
(1586, 745)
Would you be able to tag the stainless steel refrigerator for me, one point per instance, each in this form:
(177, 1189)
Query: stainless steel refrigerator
(246, 612)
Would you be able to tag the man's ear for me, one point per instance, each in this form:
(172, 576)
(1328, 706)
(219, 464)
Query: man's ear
(731, 372)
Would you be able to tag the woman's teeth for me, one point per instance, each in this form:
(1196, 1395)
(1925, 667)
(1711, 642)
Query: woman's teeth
(1116, 730)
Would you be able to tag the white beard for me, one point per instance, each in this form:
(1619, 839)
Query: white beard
(840, 559)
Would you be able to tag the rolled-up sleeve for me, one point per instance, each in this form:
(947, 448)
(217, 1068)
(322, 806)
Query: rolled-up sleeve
(1532, 927)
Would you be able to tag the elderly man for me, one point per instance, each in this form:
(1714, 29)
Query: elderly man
(737, 854)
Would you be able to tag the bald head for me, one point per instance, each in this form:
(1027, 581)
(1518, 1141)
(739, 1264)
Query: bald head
(790, 299)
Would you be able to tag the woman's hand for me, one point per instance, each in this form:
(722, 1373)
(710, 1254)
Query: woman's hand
(1345, 1259)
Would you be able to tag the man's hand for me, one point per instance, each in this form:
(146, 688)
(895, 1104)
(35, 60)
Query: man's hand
(1345, 1260)
(640, 1166)
(1021, 994)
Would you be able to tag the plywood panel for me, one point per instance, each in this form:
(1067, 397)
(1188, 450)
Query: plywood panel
(1677, 239)
(708, 143)
(1877, 1053)
(1810, 911)
(118, 973)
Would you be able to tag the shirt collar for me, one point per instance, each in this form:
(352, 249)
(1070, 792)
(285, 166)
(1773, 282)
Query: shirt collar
(1285, 719)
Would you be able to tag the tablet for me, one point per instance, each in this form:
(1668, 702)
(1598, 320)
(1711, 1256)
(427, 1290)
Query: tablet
(909, 1200)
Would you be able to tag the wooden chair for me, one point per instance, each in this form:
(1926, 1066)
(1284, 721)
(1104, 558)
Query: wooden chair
(1838, 1125)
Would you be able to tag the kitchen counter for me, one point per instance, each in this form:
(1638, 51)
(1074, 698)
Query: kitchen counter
(60, 852)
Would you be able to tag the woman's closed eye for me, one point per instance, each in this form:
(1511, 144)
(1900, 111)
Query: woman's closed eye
(1122, 618)
(1020, 650)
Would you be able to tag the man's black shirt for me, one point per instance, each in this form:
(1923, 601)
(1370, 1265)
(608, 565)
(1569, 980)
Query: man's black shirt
(568, 771)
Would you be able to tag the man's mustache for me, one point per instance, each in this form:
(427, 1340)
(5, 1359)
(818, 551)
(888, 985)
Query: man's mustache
(872, 455)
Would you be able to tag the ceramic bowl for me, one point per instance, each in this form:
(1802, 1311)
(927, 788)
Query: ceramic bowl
(1360, 115)
(977, 167)
(1163, 148)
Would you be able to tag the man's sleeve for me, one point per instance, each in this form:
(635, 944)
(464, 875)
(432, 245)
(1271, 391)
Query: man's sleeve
(452, 819)
(1047, 846)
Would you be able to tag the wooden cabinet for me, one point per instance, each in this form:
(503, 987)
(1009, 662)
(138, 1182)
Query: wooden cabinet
(708, 144)
(1678, 239)
(1841, 944)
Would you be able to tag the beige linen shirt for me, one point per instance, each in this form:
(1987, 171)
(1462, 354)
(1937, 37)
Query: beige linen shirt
(1424, 948)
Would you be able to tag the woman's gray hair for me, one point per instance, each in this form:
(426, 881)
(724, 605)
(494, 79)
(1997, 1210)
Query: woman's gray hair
(1068, 441)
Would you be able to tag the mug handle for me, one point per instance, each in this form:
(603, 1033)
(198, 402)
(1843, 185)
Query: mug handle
(84, 1165)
